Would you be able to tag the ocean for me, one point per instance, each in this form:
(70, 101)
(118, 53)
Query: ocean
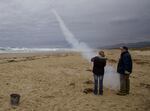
(35, 50)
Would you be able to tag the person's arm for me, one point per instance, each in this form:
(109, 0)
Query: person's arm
(92, 60)
(126, 61)
(105, 63)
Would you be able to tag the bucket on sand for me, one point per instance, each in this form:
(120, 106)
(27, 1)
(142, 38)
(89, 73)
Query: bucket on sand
(14, 99)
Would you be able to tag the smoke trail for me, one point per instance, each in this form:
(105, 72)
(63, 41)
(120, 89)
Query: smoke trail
(111, 78)
(80, 46)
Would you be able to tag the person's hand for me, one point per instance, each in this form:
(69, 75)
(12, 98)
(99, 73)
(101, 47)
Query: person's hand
(126, 72)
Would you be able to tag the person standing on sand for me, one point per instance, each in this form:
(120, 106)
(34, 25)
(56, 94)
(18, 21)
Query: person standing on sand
(99, 62)
(124, 69)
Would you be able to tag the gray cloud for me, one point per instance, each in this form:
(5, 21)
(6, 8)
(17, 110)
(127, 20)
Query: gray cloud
(97, 22)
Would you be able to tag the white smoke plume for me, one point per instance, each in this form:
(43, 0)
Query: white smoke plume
(80, 46)
(111, 78)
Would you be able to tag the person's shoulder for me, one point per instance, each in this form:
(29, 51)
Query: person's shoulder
(127, 54)
(99, 58)
(102, 58)
(92, 59)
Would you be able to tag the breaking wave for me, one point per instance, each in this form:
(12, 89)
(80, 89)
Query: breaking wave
(32, 50)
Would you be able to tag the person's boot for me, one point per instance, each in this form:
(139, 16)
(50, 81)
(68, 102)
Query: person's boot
(100, 92)
(121, 93)
(95, 91)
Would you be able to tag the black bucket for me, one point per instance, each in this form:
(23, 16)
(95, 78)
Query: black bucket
(14, 99)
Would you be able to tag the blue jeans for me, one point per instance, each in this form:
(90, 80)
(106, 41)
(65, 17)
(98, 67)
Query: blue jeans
(98, 84)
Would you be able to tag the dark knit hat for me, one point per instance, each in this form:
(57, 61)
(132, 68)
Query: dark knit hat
(124, 47)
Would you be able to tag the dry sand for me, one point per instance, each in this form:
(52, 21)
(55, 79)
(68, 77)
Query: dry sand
(55, 82)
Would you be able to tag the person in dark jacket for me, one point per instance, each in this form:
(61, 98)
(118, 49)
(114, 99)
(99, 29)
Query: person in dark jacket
(99, 62)
(124, 69)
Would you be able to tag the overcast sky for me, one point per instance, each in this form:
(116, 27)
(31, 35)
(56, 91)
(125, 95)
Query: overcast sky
(97, 22)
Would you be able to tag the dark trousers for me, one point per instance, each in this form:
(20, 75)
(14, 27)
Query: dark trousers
(98, 84)
(124, 83)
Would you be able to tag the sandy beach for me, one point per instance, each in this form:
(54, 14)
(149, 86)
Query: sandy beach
(56, 82)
